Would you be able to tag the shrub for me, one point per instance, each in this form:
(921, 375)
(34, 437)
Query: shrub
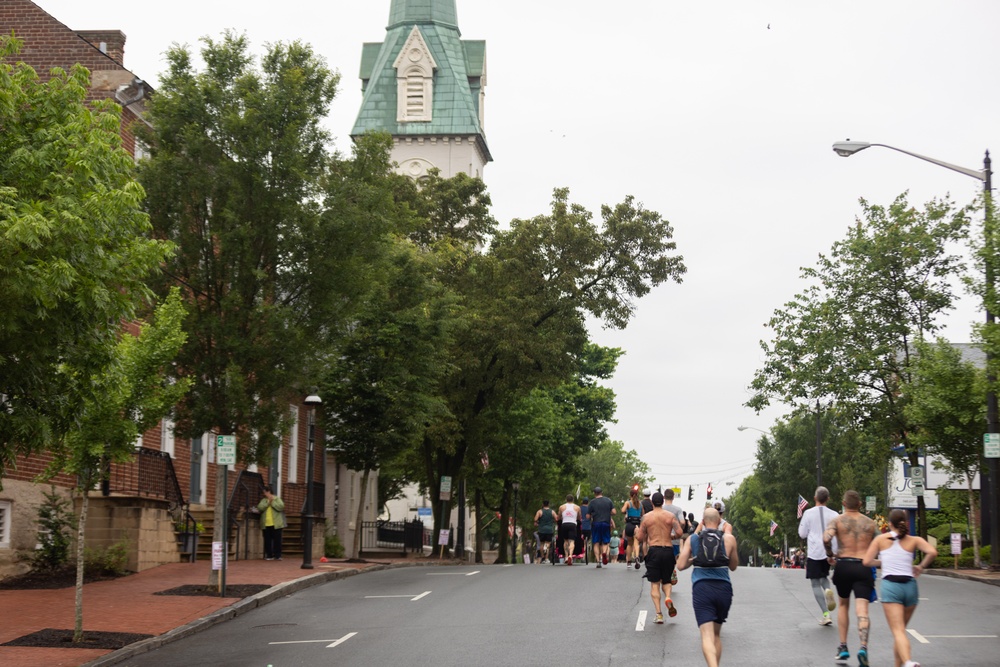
(55, 523)
(107, 561)
(332, 548)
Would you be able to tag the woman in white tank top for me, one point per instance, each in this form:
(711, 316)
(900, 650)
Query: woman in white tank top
(894, 553)
(569, 516)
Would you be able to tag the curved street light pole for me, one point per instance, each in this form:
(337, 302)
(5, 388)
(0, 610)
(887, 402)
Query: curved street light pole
(988, 488)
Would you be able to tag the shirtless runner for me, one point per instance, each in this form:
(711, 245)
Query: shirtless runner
(657, 531)
(854, 532)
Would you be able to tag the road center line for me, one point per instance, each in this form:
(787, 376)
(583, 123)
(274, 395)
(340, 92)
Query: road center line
(472, 573)
(961, 636)
(919, 637)
(425, 593)
(375, 597)
(640, 625)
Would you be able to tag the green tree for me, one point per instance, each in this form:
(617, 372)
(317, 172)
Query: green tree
(381, 391)
(129, 395)
(74, 248)
(529, 297)
(613, 468)
(947, 399)
(272, 242)
(849, 336)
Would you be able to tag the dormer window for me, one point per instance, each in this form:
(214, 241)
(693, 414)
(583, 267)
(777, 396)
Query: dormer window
(415, 80)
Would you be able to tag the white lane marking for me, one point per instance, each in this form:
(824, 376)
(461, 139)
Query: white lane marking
(472, 573)
(425, 593)
(919, 637)
(961, 636)
(336, 642)
(640, 625)
(451, 574)
(342, 639)
(375, 597)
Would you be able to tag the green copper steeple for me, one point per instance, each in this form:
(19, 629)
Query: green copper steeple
(411, 12)
(424, 85)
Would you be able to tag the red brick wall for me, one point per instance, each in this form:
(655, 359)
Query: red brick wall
(47, 43)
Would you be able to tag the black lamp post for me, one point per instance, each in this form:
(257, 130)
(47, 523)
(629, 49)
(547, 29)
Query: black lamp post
(988, 483)
(513, 538)
(312, 402)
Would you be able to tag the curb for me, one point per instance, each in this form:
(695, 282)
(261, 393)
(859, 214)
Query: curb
(992, 581)
(241, 607)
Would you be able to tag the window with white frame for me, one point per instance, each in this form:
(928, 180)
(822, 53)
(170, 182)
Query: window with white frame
(167, 436)
(293, 446)
(5, 511)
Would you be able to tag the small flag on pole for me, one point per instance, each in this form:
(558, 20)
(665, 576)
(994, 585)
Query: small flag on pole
(484, 459)
(803, 504)
(774, 527)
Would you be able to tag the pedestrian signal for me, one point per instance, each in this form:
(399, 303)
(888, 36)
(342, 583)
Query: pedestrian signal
(709, 492)
(690, 493)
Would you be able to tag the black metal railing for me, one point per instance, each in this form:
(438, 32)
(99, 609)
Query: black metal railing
(248, 491)
(390, 535)
(150, 474)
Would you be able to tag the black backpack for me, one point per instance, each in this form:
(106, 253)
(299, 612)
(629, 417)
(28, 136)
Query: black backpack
(711, 549)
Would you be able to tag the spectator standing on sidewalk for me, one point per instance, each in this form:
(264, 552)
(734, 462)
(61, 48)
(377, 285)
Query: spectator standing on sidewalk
(272, 521)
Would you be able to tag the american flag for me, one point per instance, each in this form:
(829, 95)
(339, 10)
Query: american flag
(774, 527)
(803, 504)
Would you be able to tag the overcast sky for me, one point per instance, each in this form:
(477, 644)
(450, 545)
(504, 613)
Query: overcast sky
(719, 115)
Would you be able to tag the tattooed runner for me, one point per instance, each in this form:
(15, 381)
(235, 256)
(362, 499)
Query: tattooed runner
(854, 533)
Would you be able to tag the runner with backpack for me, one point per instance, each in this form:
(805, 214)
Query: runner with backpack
(713, 554)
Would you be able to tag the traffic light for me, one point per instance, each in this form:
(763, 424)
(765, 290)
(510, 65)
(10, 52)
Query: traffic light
(709, 491)
(690, 493)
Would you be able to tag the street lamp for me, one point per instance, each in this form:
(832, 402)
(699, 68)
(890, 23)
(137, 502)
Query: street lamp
(513, 538)
(312, 402)
(752, 428)
(988, 487)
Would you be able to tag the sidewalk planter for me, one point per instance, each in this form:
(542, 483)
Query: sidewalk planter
(188, 543)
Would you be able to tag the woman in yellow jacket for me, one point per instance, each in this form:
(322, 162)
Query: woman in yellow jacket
(272, 521)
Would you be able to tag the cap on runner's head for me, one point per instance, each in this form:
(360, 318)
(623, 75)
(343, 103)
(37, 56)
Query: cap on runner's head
(719, 505)
(584, 500)
(647, 492)
(597, 490)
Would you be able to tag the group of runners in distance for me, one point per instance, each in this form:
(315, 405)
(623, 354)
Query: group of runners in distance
(659, 535)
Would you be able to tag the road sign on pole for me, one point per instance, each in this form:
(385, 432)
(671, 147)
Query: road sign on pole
(225, 446)
(870, 503)
(991, 445)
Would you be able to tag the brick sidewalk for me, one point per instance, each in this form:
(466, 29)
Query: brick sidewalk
(128, 604)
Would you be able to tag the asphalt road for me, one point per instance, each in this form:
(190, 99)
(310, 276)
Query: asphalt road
(556, 615)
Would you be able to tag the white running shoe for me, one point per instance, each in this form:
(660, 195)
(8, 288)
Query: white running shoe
(831, 604)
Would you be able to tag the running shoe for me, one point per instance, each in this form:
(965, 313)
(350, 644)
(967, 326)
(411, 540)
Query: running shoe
(826, 620)
(863, 656)
(843, 655)
(673, 578)
(604, 558)
(598, 566)
(831, 604)
(671, 609)
(637, 565)
(659, 619)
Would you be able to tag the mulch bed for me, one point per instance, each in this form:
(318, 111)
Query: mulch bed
(39, 580)
(232, 590)
(50, 638)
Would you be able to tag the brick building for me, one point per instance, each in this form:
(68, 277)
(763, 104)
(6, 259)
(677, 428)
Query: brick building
(171, 474)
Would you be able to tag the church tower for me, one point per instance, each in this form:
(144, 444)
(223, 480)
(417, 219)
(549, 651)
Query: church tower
(424, 85)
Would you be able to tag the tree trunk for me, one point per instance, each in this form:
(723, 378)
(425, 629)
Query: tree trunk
(81, 523)
(221, 491)
(479, 526)
(972, 523)
(361, 513)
